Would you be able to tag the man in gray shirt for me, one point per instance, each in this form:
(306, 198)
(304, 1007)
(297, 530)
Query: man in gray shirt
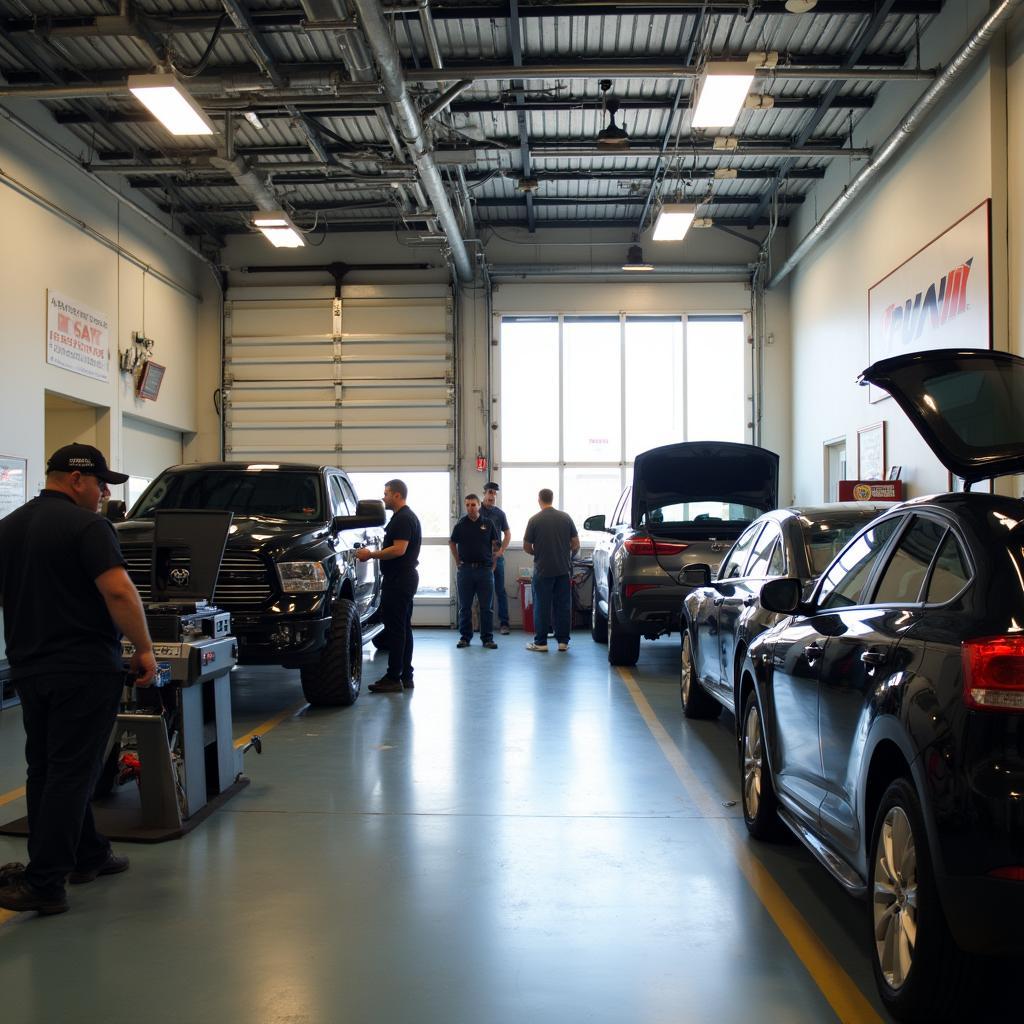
(552, 539)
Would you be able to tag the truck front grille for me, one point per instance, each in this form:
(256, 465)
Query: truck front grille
(242, 585)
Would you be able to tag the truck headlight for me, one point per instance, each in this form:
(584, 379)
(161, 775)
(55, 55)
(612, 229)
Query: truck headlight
(302, 577)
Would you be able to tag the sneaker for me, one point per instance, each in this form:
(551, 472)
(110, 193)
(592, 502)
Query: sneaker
(20, 896)
(113, 865)
(490, 645)
(463, 642)
(537, 647)
(386, 685)
(10, 873)
(503, 629)
(563, 647)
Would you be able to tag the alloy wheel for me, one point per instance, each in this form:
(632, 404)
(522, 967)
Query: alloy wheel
(685, 670)
(753, 763)
(894, 904)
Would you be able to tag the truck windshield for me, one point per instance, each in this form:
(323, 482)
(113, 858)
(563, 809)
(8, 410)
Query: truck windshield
(278, 494)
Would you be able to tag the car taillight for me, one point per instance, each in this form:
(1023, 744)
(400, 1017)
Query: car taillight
(994, 673)
(632, 588)
(1011, 874)
(649, 546)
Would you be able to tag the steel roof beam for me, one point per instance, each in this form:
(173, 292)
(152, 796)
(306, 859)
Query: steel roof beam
(515, 45)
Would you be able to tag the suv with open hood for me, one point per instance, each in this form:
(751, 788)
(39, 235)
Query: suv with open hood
(297, 595)
(687, 503)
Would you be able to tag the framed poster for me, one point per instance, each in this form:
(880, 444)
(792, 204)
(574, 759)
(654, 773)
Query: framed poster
(941, 297)
(13, 483)
(871, 452)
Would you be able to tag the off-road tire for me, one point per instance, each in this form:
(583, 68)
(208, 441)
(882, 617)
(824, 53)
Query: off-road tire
(336, 679)
(623, 647)
(695, 701)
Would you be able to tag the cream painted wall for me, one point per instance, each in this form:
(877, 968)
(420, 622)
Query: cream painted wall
(955, 163)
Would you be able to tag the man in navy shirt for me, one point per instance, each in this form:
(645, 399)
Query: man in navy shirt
(473, 543)
(399, 557)
(490, 510)
(67, 598)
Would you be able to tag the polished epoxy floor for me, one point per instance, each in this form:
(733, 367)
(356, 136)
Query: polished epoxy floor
(523, 838)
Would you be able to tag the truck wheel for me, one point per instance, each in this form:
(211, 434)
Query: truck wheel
(623, 647)
(598, 623)
(336, 679)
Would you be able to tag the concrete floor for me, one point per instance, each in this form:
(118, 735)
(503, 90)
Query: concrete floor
(510, 842)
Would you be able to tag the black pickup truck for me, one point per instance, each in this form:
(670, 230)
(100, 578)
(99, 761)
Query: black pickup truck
(298, 597)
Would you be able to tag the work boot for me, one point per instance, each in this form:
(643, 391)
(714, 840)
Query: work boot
(20, 896)
(113, 865)
(386, 685)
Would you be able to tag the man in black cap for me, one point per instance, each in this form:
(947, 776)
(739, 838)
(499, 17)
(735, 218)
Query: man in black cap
(490, 510)
(66, 598)
(473, 543)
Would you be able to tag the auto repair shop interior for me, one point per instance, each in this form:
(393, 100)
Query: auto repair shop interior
(461, 241)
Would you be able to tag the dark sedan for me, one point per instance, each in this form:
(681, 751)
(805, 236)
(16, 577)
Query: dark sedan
(720, 619)
(883, 717)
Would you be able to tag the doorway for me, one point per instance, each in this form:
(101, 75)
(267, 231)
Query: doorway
(835, 467)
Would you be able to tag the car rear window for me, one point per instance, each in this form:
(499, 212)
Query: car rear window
(275, 494)
(904, 576)
(698, 513)
(823, 541)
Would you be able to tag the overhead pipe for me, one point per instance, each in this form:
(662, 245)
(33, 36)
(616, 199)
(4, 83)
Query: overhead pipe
(371, 19)
(430, 34)
(975, 45)
(299, 86)
(431, 110)
(732, 270)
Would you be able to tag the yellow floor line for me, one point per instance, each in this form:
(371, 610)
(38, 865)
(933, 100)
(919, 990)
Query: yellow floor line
(9, 798)
(844, 996)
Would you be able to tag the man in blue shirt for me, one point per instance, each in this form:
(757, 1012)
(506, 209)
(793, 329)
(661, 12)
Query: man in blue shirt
(473, 543)
(490, 510)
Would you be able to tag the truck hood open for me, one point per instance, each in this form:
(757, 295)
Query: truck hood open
(742, 474)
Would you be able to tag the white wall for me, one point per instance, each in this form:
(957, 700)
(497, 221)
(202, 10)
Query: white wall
(955, 163)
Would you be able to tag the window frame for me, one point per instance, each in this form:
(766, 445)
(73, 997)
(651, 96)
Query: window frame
(881, 558)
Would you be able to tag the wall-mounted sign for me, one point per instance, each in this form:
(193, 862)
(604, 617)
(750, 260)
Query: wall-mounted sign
(938, 298)
(13, 483)
(77, 337)
(150, 379)
(870, 490)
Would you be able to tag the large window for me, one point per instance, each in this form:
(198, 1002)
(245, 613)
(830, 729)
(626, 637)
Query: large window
(581, 396)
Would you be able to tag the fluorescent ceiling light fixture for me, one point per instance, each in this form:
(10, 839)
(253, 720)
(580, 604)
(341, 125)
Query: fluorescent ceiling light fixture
(171, 103)
(635, 260)
(279, 229)
(674, 220)
(722, 92)
(254, 119)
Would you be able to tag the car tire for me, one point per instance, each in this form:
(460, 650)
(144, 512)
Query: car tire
(598, 622)
(695, 701)
(918, 967)
(623, 646)
(335, 681)
(757, 790)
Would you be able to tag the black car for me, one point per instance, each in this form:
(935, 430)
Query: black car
(687, 503)
(883, 718)
(297, 595)
(720, 618)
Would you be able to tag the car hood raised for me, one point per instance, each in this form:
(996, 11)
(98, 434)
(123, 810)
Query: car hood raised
(743, 474)
(967, 405)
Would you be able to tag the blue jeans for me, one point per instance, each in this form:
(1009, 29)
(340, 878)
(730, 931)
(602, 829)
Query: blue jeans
(551, 600)
(499, 591)
(479, 583)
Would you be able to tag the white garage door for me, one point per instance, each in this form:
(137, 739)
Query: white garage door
(364, 382)
(148, 450)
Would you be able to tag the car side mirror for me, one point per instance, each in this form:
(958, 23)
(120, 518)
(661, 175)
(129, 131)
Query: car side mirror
(697, 574)
(368, 513)
(783, 595)
(595, 523)
(116, 511)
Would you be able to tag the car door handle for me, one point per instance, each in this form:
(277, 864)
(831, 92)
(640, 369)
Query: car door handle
(813, 651)
(717, 601)
(748, 601)
(874, 657)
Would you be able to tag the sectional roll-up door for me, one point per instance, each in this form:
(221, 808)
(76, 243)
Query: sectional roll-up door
(364, 381)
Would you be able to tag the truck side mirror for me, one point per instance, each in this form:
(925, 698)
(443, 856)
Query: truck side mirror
(116, 511)
(368, 513)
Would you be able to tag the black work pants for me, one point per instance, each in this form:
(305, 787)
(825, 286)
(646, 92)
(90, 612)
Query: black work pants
(68, 720)
(396, 614)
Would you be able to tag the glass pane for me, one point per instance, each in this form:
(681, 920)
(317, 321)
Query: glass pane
(950, 574)
(845, 581)
(435, 571)
(654, 384)
(736, 560)
(824, 540)
(589, 492)
(716, 387)
(429, 496)
(904, 575)
(529, 392)
(762, 553)
(519, 487)
(592, 418)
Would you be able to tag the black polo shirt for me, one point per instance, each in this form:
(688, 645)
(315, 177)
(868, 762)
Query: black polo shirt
(404, 525)
(55, 619)
(496, 516)
(475, 541)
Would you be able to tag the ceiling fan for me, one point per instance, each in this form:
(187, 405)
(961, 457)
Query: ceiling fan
(611, 137)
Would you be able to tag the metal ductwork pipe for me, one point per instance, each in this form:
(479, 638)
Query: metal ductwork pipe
(248, 180)
(973, 48)
(730, 270)
(371, 20)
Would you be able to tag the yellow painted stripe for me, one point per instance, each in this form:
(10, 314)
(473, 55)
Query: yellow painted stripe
(15, 794)
(270, 723)
(844, 996)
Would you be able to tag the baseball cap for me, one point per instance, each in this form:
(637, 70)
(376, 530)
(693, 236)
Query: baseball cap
(491, 486)
(83, 458)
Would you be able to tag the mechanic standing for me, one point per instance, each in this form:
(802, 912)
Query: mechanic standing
(400, 555)
(66, 598)
(473, 544)
(552, 539)
(490, 510)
